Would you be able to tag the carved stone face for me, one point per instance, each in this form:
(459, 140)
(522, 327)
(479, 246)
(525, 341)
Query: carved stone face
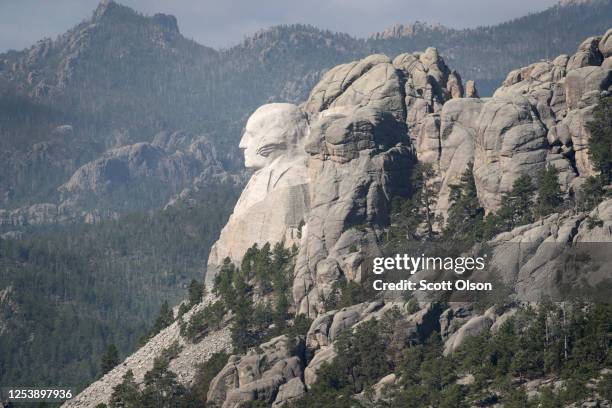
(271, 131)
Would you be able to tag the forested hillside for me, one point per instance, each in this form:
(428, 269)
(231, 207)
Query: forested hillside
(69, 292)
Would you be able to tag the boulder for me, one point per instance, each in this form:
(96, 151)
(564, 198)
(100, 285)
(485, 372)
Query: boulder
(470, 89)
(458, 126)
(582, 81)
(338, 79)
(454, 86)
(605, 44)
(588, 54)
(258, 376)
(510, 141)
(559, 67)
(318, 333)
(427, 142)
(472, 327)
(326, 354)
(290, 391)
(225, 381)
(575, 125)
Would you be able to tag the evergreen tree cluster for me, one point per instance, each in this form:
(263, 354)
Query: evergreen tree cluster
(597, 188)
(201, 322)
(269, 274)
(600, 142)
(413, 219)
(567, 341)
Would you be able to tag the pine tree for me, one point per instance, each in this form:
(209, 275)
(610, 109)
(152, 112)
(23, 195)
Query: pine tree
(162, 389)
(281, 284)
(242, 338)
(164, 318)
(262, 268)
(110, 358)
(549, 192)
(591, 193)
(409, 216)
(465, 215)
(600, 142)
(196, 292)
(224, 283)
(126, 394)
(425, 195)
(516, 208)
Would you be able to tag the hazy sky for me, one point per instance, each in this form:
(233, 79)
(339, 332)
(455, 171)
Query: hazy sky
(222, 23)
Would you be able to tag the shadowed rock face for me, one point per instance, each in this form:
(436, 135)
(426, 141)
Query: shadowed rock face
(364, 117)
(358, 159)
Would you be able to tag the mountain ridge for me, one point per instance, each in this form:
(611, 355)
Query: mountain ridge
(93, 75)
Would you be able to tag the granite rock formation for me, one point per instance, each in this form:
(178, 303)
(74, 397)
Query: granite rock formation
(338, 160)
(275, 202)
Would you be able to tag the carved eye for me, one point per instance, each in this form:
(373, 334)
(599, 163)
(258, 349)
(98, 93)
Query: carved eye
(269, 148)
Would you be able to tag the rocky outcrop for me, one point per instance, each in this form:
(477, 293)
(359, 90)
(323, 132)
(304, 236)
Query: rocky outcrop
(538, 117)
(37, 214)
(327, 327)
(133, 176)
(510, 141)
(291, 390)
(172, 160)
(533, 259)
(357, 154)
(271, 374)
(324, 355)
(587, 54)
(605, 44)
(472, 327)
(458, 128)
(409, 328)
(408, 30)
(371, 82)
(363, 117)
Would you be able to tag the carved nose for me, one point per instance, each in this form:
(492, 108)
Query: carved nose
(244, 141)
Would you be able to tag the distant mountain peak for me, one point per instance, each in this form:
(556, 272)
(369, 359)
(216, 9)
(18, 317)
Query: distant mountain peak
(166, 21)
(578, 2)
(103, 8)
(109, 10)
(408, 30)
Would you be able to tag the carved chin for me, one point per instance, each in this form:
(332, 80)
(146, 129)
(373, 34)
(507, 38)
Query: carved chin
(256, 162)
